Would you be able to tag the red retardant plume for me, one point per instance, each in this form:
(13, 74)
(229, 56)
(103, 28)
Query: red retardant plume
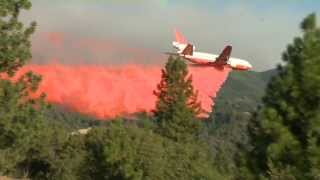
(110, 91)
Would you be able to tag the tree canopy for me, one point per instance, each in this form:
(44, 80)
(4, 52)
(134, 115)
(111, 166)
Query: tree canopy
(15, 38)
(177, 106)
(285, 131)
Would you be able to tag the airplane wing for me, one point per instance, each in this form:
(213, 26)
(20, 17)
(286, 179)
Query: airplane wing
(224, 56)
(180, 38)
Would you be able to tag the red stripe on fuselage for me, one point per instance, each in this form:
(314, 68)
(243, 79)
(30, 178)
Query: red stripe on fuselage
(200, 61)
(206, 63)
(241, 67)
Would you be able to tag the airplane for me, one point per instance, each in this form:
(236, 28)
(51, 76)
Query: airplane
(187, 51)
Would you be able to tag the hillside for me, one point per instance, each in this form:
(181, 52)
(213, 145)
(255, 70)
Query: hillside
(242, 92)
(244, 85)
(236, 102)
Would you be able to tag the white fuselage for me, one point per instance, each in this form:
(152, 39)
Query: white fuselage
(207, 58)
(201, 57)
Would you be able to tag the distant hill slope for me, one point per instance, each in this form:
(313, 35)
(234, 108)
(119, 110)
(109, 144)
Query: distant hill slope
(238, 99)
(248, 84)
(242, 92)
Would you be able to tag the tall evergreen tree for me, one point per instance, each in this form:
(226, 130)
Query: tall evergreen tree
(21, 117)
(177, 105)
(14, 42)
(285, 131)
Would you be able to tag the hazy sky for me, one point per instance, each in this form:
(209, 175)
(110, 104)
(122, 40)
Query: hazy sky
(259, 30)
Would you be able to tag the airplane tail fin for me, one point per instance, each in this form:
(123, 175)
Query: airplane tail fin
(180, 38)
(188, 50)
(225, 55)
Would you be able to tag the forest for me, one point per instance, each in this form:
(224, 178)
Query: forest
(264, 125)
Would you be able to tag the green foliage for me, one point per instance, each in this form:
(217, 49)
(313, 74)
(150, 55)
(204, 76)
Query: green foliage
(226, 129)
(190, 161)
(51, 155)
(20, 116)
(120, 152)
(177, 105)
(228, 141)
(69, 119)
(240, 94)
(28, 147)
(127, 152)
(285, 131)
(18, 121)
(14, 42)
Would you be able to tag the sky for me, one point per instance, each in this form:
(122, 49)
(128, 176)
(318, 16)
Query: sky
(139, 31)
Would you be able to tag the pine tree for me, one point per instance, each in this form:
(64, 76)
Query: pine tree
(14, 42)
(21, 117)
(285, 131)
(177, 105)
